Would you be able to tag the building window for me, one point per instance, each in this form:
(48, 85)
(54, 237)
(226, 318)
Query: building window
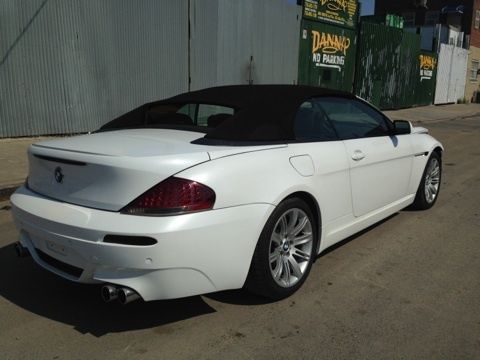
(477, 19)
(474, 69)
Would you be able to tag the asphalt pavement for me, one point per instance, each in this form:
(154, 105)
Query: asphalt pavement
(407, 288)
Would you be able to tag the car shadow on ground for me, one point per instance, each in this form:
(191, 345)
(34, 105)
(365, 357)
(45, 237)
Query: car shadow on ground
(34, 289)
(27, 285)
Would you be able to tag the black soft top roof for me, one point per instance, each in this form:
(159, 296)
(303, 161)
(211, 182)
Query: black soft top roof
(255, 96)
(264, 112)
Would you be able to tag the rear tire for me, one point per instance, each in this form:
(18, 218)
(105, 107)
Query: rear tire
(429, 188)
(284, 252)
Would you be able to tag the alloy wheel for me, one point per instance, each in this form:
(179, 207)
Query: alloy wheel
(291, 245)
(432, 180)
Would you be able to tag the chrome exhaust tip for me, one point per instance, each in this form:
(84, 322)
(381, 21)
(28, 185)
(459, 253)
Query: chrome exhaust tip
(109, 293)
(126, 295)
(21, 250)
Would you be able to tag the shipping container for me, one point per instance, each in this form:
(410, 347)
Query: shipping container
(327, 56)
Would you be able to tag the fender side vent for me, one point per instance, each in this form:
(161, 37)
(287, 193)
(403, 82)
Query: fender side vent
(129, 240)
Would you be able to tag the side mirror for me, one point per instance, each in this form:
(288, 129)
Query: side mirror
(401, 127)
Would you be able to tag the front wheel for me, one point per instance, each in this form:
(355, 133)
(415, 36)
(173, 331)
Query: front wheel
(285, 250)
(429, 188)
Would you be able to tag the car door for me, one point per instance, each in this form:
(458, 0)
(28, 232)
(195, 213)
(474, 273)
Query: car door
(318, 144)
(380, 164)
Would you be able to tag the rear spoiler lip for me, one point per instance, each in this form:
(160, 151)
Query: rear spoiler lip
(59, 160)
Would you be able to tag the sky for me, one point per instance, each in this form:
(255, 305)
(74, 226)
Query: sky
(368, 7)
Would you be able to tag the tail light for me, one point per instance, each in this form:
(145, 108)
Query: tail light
(172, 196)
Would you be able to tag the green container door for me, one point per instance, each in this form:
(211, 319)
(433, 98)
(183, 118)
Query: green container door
(427, 77)
(327, 56)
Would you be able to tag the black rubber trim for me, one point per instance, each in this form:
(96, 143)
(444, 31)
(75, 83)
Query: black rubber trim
(62, 161)
(129, 240)
(60, 265)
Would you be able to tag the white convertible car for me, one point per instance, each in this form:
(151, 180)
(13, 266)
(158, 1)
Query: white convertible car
(219, 189)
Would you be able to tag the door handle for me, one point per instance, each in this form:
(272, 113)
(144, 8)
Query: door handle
(358, 155)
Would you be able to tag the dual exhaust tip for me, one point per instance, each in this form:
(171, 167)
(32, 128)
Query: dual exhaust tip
(21, 250)
(123, 294)
(109, 292)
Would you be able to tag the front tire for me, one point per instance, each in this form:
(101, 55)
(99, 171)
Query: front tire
(427, 193)
(285, 250)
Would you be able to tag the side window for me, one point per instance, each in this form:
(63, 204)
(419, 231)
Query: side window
(208, 114)
(166, 114)
(189, 110)
(205, 114)
(353, 119)
(312, 124)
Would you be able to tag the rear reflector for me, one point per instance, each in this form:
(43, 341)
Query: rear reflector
(173, 196)
(129, 240)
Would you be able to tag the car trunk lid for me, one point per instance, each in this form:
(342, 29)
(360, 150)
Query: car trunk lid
(108, 170)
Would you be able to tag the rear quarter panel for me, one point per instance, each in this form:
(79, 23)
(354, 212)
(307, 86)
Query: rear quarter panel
(269, 177)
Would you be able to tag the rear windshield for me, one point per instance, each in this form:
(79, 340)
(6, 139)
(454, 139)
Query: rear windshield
(184, 116)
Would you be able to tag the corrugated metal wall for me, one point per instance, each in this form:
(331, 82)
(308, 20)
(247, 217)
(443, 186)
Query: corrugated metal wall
(387, 66)
(451, 75)
(226, 35)
(69, 66)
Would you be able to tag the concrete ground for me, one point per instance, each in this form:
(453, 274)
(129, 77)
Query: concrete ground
(435, 113)
(13, 160)
(407, 288)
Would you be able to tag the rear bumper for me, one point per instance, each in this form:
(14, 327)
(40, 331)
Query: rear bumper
(195, 254)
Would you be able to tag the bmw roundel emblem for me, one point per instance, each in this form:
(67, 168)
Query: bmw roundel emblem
(59, 175)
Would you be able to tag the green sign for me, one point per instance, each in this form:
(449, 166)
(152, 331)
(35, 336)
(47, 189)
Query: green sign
(394, 21)
(340, 12)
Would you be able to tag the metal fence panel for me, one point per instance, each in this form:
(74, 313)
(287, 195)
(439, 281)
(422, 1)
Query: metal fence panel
(241, 42)
(387, 66)
(275, 28)
(387, 62)
(327, 56)
(204, 22)
(69, 66)
(452, 73)
(407, 75)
